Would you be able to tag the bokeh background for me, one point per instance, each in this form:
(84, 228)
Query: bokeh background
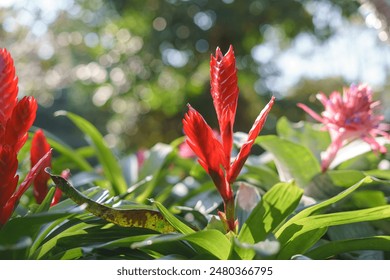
(130, 67)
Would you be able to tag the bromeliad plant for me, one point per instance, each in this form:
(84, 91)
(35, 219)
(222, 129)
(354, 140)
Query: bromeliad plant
(214, 154)
(283, 201)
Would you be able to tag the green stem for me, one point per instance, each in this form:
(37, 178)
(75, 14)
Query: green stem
(230, 215)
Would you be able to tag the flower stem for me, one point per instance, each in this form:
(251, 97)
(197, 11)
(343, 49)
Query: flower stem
(230, 215)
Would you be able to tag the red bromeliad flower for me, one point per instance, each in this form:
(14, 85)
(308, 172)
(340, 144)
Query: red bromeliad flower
(16, 118)
(348, 117)
(39, 147)
(214, 154)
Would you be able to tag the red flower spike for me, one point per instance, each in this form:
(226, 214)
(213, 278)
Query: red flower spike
(39, 147)
(21, 120)
(214, 155)
(8, 88)
(16, 119)
(224, 91)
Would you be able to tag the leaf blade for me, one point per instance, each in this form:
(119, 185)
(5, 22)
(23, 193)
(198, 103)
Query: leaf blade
(112, 169)
(293, 160)
(143, 218)
(380, 243)
(275, 206)
(292, 240)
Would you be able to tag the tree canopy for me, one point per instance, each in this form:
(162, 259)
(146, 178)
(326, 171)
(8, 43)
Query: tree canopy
(131, 66)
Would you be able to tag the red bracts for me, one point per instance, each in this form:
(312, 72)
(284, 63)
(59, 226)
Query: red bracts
(214, 154)
(16, 118)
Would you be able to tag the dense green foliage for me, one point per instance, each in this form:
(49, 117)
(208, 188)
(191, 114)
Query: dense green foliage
(340, 214)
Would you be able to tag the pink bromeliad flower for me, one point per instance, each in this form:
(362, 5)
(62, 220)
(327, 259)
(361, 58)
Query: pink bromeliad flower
(214, 153)
(349, 117)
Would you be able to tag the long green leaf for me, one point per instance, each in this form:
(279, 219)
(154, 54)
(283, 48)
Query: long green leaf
(293, 160)
(44, 250)
(207, 242)
(81, 162)
(22, 231)
(318, 208)
(328, 184)
(260, 174)
(212, 242)
(111, 167)
(380, 243)
(175, 222)
(275, 206)
(143, 218)
(38, 240)
(45, 204)
(292, 237)
(71, 254)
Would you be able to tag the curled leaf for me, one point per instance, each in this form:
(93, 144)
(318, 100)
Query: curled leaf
(142, 218)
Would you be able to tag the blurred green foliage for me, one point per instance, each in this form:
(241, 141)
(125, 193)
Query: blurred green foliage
(130, 67)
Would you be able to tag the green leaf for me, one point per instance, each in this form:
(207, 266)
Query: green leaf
(206, 242)
(305, 134)
(71, 154)
(175, 222)
(379, 173)
(275, 206)
(211, 242)
(19, 233)
(328, 250)
(143, 218)
(332, 182)
(266, 249)
(293, 160)
(15, 250)
(295, 238)
(111, 167)
(96, 239)
(45, 248)
(71, 254)
(369, 198)
(320, 207)
(350, 231)
(259, 174)
(45, 205)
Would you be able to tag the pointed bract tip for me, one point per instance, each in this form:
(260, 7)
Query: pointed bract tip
(218, 52)
(219, 56)
(230, 49)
